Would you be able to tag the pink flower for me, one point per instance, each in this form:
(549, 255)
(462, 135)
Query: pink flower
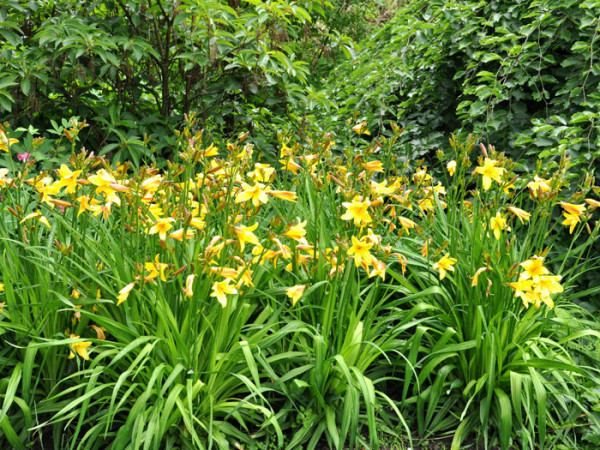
(23, 156)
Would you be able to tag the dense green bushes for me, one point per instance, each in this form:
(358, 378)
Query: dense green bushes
(132, 69)
(523, 75)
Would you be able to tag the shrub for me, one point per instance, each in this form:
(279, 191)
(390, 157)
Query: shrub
(521, 75)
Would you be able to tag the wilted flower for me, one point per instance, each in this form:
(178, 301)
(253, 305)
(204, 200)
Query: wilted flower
(407, 224)
(475, 278)
(378, 269)
(521, 214)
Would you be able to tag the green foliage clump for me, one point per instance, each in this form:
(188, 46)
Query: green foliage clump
(134, 69)
(523, 75)
(331, 301)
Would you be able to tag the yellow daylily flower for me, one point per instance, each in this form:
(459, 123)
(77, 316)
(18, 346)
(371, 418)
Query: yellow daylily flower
(197, 223)
(571, 221)
(444, 265)
(290, 165)
(124, 293)
(210, 151)
(297, 232)
(245, 276)
(538, 187)
(155, 210)
(521, 287)
(575, 210)
(162, 227)
(151, 184)
(256, 193)
(36, 215)
(534, 268)
(179, 234)
(107, 185)
(47, 189)
(80, 348)
(489, 172)
(360, 250)
(189, 282)
(549, 284)
(295, 292)
(262, 173)
(498, 224)
(86, 204)
(68, 178)
(382, 188)
(156, 269)
(451, 167)
(245, 234)
(220, 290)
(102, 178)
(357, 211)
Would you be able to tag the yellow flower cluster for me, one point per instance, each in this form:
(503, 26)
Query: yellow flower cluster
(536, 284)
(231, 208)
